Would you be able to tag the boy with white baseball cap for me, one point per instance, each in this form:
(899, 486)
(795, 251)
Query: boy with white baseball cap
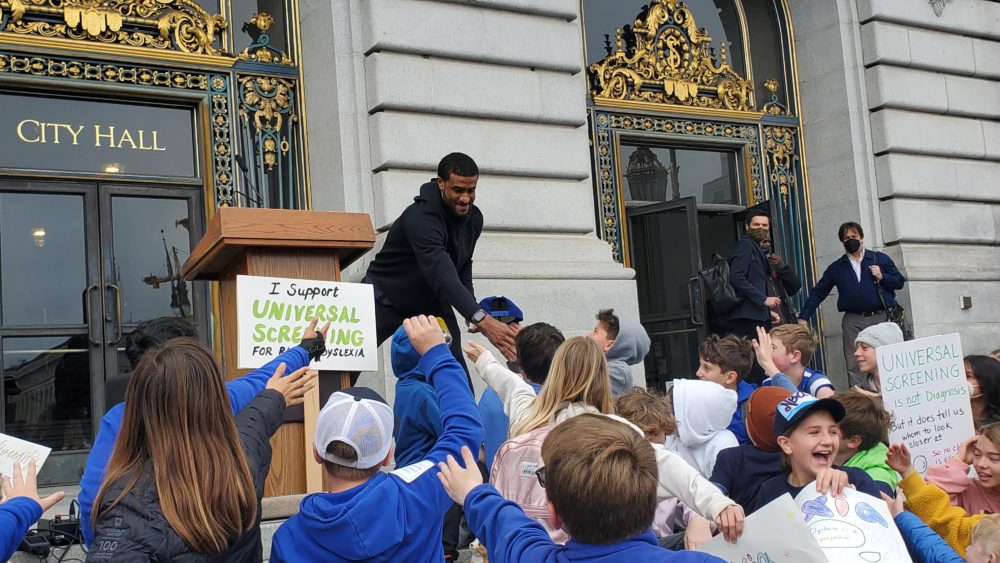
(366, 514)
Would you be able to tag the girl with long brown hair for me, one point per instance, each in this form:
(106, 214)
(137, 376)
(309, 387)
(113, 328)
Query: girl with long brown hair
(186, 477)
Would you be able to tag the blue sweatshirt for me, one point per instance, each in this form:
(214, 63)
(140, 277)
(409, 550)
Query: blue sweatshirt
(241, 392)
(739, 473)
(396, 516)
(16, 515)
(736, 426)
(495, 422)
(924, 545)
(509, 535)
(418, 419)
(853, 295)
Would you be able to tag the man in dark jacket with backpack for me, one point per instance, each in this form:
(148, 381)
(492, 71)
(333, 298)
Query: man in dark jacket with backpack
(749, 273)
(425, 266)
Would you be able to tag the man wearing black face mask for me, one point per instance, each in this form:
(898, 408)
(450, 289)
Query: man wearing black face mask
(749, 273)
(858, 275)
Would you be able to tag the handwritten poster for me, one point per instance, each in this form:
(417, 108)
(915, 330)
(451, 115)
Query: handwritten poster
(272, 314)
(775, 533)
(851, 527)
(21, 451)
(923, 386)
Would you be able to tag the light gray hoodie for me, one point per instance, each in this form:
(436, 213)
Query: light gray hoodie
(630, 348)
(703, 411)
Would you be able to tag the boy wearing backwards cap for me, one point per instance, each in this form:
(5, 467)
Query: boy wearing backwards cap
(809, 438)
(366, 514)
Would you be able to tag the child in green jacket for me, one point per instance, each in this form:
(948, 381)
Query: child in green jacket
(864, 432)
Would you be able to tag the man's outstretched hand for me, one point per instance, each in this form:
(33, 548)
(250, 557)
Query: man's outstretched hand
(424, 333)
(500, 335)
(459, 481)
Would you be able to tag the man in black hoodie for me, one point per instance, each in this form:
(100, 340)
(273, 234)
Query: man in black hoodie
(425, 266)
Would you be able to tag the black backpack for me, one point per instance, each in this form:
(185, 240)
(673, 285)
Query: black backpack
(719, 291)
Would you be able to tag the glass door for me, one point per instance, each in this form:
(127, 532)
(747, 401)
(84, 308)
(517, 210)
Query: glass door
(81, 265)
(666, 256)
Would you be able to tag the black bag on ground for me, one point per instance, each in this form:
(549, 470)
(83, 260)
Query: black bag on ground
(717, 287)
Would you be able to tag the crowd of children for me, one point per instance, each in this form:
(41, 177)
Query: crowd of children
(562, 459)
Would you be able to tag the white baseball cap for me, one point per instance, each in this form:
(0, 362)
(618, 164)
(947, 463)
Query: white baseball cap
(359, 417)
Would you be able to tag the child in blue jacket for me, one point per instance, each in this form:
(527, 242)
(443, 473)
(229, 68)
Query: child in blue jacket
(21, 507)
(600, 478)
(241, 392)
(418, 419)
(368, 515)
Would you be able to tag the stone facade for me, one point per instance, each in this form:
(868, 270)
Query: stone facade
(902, 135)
(501, 80)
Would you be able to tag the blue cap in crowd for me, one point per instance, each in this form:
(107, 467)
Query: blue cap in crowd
(799, 405)
(502, 309)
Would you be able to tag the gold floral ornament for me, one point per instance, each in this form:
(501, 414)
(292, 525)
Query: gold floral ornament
(665, 58)
(261, 51)
(774, 106)
(270, 100)
(180, 25)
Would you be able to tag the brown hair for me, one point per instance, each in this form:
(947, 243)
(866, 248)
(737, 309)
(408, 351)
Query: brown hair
(796, 337)
(608, 318)
(601, 477)
(992, 433)
(865, 417)
(536, 344)
(647, 410)
(178, 416)
(730, 353)
(344, 451)
(579, 373)
(987, 531)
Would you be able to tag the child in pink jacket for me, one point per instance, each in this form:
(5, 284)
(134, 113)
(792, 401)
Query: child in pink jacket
(980, 494)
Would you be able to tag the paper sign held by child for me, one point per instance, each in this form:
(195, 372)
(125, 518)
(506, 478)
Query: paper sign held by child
(817, 528)
(21, 451)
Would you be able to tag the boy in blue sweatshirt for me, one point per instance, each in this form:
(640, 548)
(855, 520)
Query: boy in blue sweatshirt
(241, 392)
(418, 420)
(600, 478)
(21, 507)
(368, 515)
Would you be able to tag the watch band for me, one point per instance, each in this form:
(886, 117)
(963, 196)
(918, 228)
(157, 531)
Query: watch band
(478, 316)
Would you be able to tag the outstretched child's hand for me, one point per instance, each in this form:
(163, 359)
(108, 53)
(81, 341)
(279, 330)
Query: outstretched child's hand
(473, 351)
(895, 505)
(762, 349)
(730, 522)
(295, 385)
(424, 333)
(459, 481)
(899, 458)
(27, 486)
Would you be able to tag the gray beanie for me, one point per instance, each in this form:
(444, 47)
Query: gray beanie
(881, 334)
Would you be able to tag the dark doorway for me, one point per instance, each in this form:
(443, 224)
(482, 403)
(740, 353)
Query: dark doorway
(81, 264)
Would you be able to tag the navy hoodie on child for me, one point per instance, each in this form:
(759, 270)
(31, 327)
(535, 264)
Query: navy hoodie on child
(394, 516)
(418, 420)
(739, 472)
(779, 485)
(509, 535)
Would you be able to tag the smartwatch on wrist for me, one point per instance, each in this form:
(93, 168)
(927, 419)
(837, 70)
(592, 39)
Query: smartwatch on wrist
(478, 317)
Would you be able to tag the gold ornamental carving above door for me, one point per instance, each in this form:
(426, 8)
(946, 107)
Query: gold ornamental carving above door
(178, 25)
(666, 58)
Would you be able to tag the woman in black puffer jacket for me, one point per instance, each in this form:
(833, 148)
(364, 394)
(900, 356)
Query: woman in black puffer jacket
(186, 477)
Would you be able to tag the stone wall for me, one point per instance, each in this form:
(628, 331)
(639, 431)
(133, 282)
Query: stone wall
(394, 85)
(900, 112)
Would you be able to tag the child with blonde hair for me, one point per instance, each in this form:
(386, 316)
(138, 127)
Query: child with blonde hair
(985, 545)
(578, 383)
(788, 349)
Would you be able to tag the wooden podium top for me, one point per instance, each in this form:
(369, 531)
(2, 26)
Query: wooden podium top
(235, 229)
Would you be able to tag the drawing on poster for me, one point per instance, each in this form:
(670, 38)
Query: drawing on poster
(773, 534)
(860, 530)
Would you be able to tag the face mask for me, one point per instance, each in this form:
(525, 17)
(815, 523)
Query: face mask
(758, 234)
(972, 389)
(852, 245)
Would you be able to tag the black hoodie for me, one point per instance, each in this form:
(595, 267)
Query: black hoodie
(427, 257)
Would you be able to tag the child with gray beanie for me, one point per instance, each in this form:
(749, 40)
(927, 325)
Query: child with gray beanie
(867, 341)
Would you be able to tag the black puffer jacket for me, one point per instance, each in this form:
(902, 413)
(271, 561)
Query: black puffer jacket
(136, 530)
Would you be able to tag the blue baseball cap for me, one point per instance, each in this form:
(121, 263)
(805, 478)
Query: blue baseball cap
(502, 309)
(799, 405)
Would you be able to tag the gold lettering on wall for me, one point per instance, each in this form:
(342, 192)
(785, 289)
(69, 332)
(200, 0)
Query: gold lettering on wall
(105, 136)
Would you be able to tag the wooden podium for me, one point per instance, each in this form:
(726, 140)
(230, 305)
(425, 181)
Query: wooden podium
(312, 245)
